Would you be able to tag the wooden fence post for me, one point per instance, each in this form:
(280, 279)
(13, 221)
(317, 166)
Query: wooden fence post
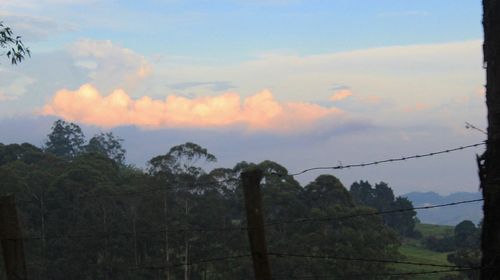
(11, 240)
(253, 203)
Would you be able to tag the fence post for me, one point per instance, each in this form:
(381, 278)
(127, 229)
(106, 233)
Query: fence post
(489, 162)
(251, 178)
(11, 240)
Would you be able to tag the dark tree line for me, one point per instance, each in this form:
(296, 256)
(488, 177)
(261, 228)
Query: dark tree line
(88, 215)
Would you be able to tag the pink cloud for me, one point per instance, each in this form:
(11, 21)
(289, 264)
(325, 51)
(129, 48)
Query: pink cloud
(372, 99)
(257, 112)
(417, 107)
(340, 95)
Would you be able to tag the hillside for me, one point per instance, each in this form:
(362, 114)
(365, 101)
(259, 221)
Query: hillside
(446, 215)
(415, 251)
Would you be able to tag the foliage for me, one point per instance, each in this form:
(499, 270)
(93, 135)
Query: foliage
(461, 244)
(381, 197)
(467, 241)
(467, 235)
(440, 244)
(66, 140)
(16, 51)
(181, 159)
(89, 216)
(467, 258)
(108, 145)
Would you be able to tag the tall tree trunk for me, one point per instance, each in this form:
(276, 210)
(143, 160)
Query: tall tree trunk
(106, 243)
(167, 257)
(489, 164)
(42, 233)
(134, 230)
(186, 258)
(186, 245)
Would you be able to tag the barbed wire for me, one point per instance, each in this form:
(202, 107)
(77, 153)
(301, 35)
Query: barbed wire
(287, 255)
(309, 220)
(382, 274)
(471, 126)
(340, 258)
(164, 189)
(233, 180)
(245, 228)
(404, 158)
(192, 263)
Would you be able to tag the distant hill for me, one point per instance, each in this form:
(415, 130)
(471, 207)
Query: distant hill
(450, 215)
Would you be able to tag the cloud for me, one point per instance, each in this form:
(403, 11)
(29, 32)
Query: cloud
(417, 107)
(12, 85)
(371, 99)
(408, 13)
(33, 4)
(108, 65)
(259, 112)
(214, 85)
(340, 95)
(35, 28)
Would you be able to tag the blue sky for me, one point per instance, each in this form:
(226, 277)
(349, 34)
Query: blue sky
(238, 29)
(305, 83)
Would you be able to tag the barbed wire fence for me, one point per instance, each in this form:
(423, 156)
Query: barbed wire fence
(242, 229)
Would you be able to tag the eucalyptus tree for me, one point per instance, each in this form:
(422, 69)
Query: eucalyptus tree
(66, 140)
(16, 51)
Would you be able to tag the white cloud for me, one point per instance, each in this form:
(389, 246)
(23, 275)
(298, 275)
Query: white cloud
(12, 85)
(108, 65)
(31, 4)
(386, 80)
(35, 28)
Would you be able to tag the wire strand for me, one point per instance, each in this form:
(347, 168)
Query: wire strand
(371, 275)
(330, 257)
(308, 220)
(404, 158)
(269, 224)
(165, 266)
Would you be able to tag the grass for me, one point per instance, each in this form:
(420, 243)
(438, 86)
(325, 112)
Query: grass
(436, 230)
(414, 251)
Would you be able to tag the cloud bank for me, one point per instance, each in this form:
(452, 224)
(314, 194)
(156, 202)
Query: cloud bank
(258, 112)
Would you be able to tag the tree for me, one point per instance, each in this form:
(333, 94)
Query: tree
(16, 49)
(467, 252)
(181, 159)
(108, 145)
(381, 197)
(403, 222)
(467, 258)
(65, 140)
(327, 191)
(466, 235)
(489, 162)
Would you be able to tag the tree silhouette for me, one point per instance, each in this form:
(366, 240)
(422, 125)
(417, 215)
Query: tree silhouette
(16, 51)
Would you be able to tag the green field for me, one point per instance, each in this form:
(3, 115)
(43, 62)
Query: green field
(414, 251)
(436, 230)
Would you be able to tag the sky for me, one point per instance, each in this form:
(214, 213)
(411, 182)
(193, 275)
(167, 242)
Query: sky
(303, 83)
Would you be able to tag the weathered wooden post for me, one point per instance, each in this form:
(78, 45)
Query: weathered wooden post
(11, 240)
(251, 178)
